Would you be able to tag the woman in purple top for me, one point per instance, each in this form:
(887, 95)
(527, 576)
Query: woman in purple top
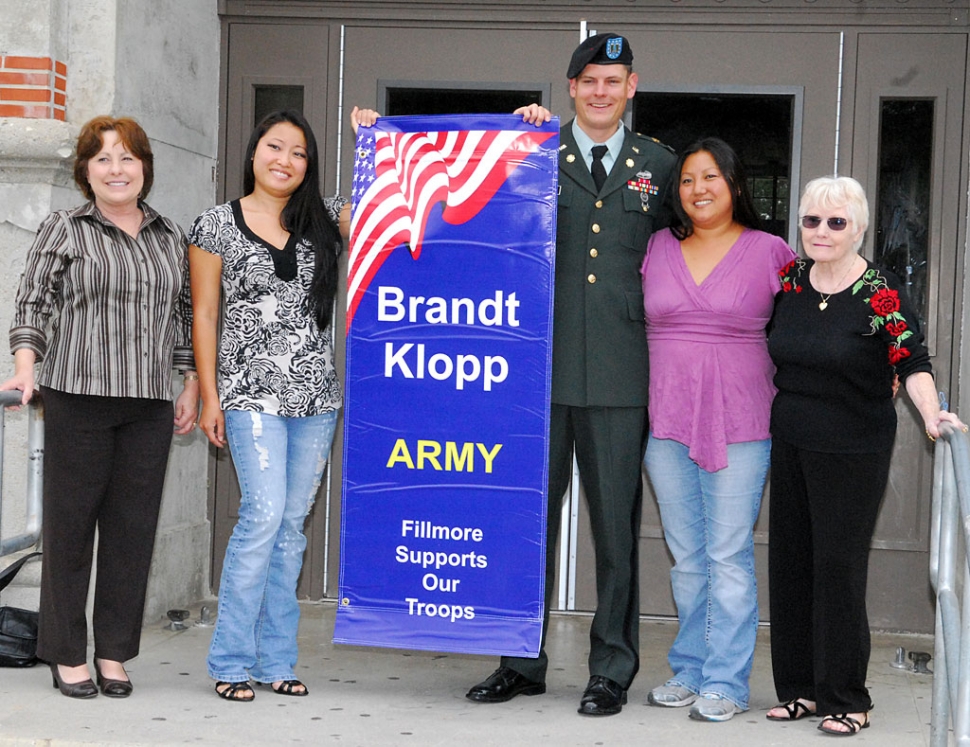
(709, 284)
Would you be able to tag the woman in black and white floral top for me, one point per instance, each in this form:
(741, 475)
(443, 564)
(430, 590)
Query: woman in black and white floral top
(272, 392)
(842, 330)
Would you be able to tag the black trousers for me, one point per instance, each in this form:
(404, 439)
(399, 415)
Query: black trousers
(609, 444)
(104, 468)
(823, 511)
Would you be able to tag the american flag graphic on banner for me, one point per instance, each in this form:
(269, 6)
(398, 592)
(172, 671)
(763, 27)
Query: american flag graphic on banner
(447, 384)
(401, 177)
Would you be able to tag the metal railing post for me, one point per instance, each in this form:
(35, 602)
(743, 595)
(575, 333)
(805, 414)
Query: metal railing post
(940, 553)
(950, 520)
(35, 472)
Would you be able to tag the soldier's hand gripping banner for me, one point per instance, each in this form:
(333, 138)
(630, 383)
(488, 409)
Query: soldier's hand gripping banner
(449, 328)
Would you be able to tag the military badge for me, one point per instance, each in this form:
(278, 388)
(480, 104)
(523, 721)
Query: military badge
(570, 158)
(614, 47)
(643, 185)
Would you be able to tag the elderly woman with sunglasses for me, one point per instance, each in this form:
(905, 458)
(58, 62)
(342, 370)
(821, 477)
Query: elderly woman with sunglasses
(842, 330)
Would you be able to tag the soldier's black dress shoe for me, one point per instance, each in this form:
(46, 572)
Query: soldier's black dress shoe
(603, 697)
(504, 684)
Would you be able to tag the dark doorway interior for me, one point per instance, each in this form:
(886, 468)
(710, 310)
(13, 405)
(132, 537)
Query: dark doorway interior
(758, 127)
(270, 98)
(903, 203)
(401, 101)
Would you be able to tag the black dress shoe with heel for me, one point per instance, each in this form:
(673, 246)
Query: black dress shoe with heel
(603, 697)
(84, 689)
(112, 688)
(504, 684)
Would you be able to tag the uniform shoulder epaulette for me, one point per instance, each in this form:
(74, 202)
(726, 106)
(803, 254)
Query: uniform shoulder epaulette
(654, 140)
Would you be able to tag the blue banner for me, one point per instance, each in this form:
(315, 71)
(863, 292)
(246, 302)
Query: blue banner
(449, 329)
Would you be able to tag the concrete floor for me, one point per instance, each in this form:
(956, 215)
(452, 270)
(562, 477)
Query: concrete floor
(364, 696)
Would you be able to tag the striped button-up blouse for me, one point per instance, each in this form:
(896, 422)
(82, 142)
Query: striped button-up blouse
(108, 314)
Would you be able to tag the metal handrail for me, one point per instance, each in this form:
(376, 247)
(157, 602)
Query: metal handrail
(950, 519)
(35, 471)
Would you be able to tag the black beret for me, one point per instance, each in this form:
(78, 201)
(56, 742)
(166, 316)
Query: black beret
(602, 49)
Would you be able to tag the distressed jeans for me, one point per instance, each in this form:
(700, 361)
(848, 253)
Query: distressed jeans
(279, 462)
(708, 520)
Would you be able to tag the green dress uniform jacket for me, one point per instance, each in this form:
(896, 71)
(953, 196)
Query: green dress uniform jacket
(599, 383)
(599, 349)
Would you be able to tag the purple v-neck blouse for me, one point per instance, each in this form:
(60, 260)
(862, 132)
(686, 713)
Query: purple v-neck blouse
(710, 374)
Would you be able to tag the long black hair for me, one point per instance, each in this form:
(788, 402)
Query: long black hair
(305, 215)
(733, 172)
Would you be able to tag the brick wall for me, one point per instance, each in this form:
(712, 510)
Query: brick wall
(32, 87)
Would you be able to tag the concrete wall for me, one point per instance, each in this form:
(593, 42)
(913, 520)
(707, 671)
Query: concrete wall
(157, 61)
(169, 50)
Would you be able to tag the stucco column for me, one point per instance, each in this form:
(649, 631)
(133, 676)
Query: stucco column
(61, 64)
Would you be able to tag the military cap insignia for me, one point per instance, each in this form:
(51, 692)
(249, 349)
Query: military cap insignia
(614, 47)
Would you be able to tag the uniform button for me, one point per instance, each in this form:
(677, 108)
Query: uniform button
(591, 278)
(598, 203)
(593, 252)
(596, 228)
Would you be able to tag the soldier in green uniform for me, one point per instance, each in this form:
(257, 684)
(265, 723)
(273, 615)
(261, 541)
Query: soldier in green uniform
(612, 182)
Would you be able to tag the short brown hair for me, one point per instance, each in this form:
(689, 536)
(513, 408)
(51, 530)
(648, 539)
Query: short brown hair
(91, 140)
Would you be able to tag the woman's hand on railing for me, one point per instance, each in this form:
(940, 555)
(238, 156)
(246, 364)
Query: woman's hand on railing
(21, 384)
(950, 418)
(23, 377)
(10, 399)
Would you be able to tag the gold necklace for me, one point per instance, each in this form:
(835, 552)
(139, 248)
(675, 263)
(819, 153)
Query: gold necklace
(824, 303)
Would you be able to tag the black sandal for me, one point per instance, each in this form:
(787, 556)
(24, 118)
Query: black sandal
(289, 687)
(853, 725)
(236, 691)
(795, 708)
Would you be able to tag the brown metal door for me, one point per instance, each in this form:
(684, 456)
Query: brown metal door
(838, 78)
(908, 110)
(271, 66)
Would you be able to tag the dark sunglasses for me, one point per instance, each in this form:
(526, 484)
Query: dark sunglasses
(813, 221)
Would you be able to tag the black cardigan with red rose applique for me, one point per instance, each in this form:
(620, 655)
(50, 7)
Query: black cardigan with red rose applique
(835, 366)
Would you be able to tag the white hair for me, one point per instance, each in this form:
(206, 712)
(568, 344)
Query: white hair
(837, 193)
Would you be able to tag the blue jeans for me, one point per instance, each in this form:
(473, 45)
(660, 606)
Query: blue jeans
(708, 520)
(279, 462)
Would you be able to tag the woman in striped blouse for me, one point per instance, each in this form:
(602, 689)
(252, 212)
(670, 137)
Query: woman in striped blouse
(103, 306)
